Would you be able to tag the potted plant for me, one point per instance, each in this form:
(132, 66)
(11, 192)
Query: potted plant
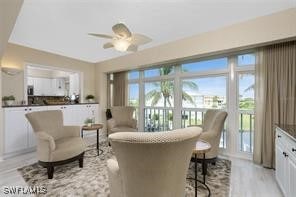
(90, 98)
(89, 122)
(8, 100)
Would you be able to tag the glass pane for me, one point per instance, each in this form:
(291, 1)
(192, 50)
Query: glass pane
(133, 94)
(157, 119)
(166, 70)
(159, 94)
(246, 91)
(206, 93)
(246, 59)
(246, 111)
(215, 64)
(133, 75)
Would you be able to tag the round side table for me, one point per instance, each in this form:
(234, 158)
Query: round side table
(201, 147)
(93, 127)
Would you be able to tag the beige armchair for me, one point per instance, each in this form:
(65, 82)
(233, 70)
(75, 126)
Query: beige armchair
(56, 144)
(212, 128)
(151, 164)
(122, 120)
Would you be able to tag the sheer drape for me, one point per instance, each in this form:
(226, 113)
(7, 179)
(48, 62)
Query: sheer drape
(119, 88)
(275, 97)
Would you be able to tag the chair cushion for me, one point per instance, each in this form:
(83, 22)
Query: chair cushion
(67, 148)
(123, 115)
(122, 129)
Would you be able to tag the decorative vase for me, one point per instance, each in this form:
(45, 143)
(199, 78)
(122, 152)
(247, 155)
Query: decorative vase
(9, 102)
(90, 100)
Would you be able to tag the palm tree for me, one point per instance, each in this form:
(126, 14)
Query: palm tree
(166, 90)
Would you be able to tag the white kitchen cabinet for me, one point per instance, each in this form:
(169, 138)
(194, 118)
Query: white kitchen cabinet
(292, 176)
(286, 162)
(18, 133)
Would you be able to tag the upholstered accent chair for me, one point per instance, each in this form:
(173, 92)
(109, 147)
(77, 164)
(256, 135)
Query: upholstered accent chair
(151, 164)
(122, 120)
(56, 144)
(211, 132)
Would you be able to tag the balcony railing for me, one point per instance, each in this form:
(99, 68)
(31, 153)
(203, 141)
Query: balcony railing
(158, 119)
(246, 131)
(195, 116)
(161, 119)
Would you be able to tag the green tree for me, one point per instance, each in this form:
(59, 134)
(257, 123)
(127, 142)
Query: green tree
(166, 90)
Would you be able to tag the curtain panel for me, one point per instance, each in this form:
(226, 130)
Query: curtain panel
(275, 97)
(119, 89)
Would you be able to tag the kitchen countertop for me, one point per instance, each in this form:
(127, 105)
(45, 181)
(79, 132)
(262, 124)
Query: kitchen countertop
(6, 106)
(290, 130)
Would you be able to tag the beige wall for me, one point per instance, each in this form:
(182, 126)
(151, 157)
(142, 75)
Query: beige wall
(253, 33)
(9, 10)
(256, 32)
(17, 56)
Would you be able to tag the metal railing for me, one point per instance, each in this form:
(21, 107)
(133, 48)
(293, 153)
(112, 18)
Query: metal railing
(158, 119)
(161, 119)
(246, 131)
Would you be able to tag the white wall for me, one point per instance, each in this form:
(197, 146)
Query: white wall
(9, 10)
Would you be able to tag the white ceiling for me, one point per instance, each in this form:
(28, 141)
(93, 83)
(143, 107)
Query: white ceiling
(61, 26)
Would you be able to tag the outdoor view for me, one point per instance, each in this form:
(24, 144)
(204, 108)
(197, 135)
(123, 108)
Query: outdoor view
(246, 111)
(197, 95)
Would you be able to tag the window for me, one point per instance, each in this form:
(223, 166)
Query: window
(246, 111)
(215, 64)
(246, 60)
(200, 94)
(156, 72)
(133, 75)
(159, 94)
(133, 94)
(178, 96)
(205, 93)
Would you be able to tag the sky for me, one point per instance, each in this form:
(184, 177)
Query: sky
(208, 85)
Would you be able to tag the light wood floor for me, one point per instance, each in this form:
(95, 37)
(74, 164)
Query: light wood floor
(247, 179)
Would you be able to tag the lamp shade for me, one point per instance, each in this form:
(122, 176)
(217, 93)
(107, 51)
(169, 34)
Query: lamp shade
(10, 71)
(121, 44)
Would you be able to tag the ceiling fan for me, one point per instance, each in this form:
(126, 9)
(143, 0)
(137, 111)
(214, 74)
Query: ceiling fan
(123, 40)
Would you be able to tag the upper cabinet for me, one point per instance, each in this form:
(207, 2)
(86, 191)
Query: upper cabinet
(48, 87)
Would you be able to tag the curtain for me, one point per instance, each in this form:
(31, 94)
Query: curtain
(119, 88)
(275, 97)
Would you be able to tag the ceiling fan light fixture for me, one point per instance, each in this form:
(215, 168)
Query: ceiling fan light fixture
(121, 45)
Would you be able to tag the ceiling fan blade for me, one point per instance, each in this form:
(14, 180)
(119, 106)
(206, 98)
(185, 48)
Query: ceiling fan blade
(121, 30)
(132, 48)
(101, 35)
(108, 45)
(139, 39)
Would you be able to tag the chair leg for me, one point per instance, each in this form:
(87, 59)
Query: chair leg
(81, 162)
(50, 170)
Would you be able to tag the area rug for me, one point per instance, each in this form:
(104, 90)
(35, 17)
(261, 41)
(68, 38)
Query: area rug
(92, 179)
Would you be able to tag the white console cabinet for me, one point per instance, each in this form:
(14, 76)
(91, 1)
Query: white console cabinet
(18, 133)
(285, 151)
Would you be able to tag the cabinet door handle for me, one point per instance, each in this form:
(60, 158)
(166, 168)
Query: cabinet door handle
(279, 136)
(293, 149)
(25, 109)
(285, 154)
(30, 109)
